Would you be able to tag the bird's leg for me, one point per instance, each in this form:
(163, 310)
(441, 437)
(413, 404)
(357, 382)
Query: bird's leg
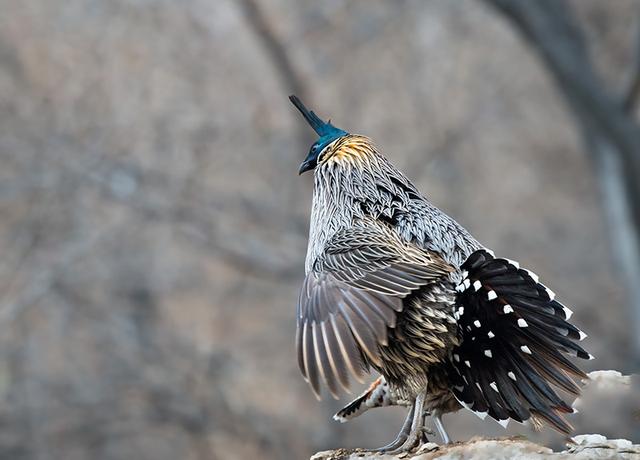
(416, 432)
(437, 420)
(402, 435)
(425, 430)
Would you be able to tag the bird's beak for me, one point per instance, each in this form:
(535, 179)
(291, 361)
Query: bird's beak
(307, 165)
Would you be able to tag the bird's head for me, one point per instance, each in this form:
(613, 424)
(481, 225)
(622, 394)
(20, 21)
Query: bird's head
(327, 132)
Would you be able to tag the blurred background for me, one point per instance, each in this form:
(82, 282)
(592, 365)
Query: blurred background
(153, 227)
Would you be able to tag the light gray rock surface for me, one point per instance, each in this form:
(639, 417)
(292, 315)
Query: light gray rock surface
(582, 447)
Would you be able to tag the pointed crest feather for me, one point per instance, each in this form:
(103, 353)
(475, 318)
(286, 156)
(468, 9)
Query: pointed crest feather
(314, 120)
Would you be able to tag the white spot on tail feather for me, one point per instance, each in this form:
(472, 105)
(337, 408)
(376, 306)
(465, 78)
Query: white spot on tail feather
(507, 309)
(550, 293)
(533, 276)
(491, 334)
(494, 386)
(456, 356)
(567, 312)
(522, 323)
(482, 415)
(476, 323)
(477, 285)
(582, 335)
(504, 423)
(511, 375)
(488, 353)
(491, 295)
(464, 404)
(468, 364)
(525, 349)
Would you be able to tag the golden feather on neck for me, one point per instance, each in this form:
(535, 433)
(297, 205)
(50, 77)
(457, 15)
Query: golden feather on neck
(352, 149)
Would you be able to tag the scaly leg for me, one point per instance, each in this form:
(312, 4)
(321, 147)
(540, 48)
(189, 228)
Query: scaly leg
(416, 432)
(437, 420)
(402, 435)
(425, 430)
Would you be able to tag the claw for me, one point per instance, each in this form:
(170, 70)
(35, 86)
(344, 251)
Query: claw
(402, 435)
(416, 434)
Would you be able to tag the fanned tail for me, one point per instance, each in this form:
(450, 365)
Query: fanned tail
(515, 336)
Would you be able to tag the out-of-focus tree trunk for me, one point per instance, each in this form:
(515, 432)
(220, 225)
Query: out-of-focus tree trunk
(611, 135)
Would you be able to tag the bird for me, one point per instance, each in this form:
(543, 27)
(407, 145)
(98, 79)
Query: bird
(396, 286)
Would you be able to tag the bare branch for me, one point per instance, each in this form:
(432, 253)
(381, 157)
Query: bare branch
(632, 94)
(260, 24)
(291, 80)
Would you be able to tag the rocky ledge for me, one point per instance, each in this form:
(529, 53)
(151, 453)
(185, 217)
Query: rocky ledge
(583, 447)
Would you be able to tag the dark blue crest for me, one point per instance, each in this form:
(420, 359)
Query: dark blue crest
(327, 132)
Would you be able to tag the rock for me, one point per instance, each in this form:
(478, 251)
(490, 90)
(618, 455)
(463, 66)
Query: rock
(609, 404)
(583, 447)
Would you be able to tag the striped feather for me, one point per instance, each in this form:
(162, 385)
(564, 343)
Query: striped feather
(349, 302)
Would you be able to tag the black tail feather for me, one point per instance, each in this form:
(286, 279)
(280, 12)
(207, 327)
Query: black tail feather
(514, 338)
(512, 398)
(555, 375)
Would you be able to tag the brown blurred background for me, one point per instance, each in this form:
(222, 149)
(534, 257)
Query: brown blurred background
(153, 226)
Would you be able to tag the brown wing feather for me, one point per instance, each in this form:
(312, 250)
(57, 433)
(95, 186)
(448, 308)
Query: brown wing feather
(350, 299)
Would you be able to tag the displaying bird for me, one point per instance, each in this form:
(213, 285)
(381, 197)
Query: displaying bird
(395, 285)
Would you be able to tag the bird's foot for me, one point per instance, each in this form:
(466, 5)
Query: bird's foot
(402, 435)
(393, 446)
(412, 442)
(411, 436)
(423, 435)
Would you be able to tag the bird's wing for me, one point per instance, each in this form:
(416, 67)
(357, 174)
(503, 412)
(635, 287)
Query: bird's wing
(351, 297)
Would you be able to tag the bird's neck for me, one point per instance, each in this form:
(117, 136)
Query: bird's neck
(333, 209)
